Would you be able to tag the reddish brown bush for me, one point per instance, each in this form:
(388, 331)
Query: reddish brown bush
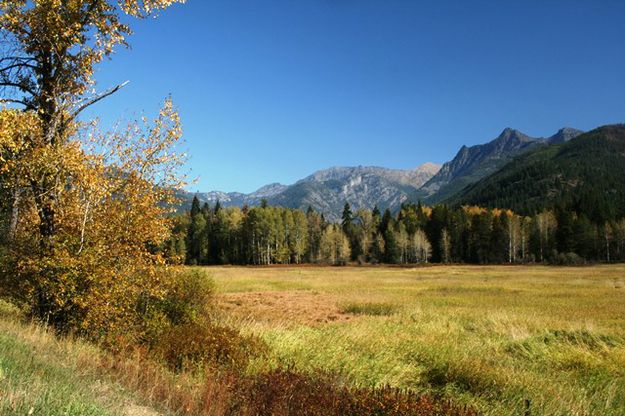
(287, 393)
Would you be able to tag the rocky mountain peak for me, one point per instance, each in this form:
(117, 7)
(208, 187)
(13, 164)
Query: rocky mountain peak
(269, 190)
(429, 167)
(512, 135)
(564, 135)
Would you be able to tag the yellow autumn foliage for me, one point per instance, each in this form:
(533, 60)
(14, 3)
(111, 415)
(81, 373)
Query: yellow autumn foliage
(82, 214)
(112, 197)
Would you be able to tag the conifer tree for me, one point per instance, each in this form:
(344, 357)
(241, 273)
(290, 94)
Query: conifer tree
(392, 250)
(347, 219)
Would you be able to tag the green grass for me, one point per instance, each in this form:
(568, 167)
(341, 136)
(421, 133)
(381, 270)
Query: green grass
(369, 308)
(43, 375)
(491, 337)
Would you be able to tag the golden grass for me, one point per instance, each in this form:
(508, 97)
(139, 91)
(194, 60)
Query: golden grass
(41, 374)
(492, 336)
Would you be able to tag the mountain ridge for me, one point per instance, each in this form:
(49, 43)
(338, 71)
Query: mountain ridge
(586, 174)
(327, 190)
(476, 162)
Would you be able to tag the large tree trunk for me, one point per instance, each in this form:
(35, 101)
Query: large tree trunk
(15, 213)
(45, 201)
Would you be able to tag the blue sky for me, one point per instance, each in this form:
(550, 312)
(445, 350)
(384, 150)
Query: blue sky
(272, 90)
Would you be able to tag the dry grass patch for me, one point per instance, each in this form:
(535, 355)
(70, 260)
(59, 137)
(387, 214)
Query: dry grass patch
(285, 308)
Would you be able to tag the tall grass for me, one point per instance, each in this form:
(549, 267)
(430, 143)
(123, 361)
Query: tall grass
(426, 341)
(369, 308)
(491, 337)
(41, 374)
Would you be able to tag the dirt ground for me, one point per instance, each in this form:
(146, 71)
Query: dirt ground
(285, 307)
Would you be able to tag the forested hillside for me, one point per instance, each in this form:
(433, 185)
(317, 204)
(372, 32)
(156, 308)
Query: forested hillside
(476, 162)
(585, 175)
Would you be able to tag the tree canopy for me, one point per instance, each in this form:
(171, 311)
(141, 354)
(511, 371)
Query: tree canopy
(85, 210)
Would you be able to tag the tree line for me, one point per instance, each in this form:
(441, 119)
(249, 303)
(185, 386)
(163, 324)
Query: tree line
(265, 235)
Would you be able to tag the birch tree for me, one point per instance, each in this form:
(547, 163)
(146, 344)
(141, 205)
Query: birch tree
(421, 246)
(50, 49)
(335, 247)
(445, 246)
(546, 225)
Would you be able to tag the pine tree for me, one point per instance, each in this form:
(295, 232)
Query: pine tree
(192, 255)
(392, 251)
(347, 219)
(195, 206)
(498, 250)
(436, 224)
(376, 213)
(385, 221)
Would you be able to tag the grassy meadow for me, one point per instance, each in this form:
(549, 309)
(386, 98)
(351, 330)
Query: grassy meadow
(492, 337)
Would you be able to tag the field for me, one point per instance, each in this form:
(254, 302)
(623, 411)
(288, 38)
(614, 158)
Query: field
(499, 338)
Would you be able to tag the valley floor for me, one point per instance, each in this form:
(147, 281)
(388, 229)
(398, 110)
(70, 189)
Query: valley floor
(493, 336)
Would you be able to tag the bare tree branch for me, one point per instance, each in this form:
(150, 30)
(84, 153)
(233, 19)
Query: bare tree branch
(18, 65)
(16, 85)
(24, 103)
(98, 98)
(17, 58)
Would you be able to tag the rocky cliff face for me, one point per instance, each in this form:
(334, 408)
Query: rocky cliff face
(362, 187)
(564, 135)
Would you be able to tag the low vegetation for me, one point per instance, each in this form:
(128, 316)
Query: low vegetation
(492, 337)
(43, 374)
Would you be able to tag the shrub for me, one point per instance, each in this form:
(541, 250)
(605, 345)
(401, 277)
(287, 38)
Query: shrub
(284, 392)
(181, 328)
(566, 259)
(189, 296)
(279, 392)
(203, 344)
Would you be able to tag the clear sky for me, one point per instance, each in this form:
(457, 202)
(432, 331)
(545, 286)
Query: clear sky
(272, 90)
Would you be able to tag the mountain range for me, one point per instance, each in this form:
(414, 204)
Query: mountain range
(367, 186)
(585, 175)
